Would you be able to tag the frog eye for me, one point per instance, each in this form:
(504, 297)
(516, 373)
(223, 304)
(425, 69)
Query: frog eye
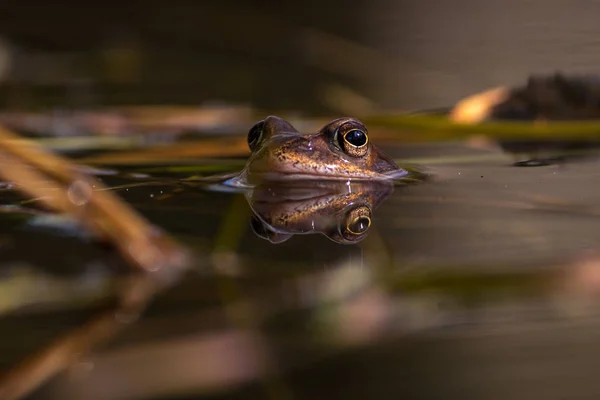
(255, 135)
(353, 139)
(261, 230)
(357, 223)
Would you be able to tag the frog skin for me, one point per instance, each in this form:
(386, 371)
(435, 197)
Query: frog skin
(339, 210)
(341, 150)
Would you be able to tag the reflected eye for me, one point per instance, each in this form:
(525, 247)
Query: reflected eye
(262, 231)
(357, 223)
(255, 134)
(353, 139)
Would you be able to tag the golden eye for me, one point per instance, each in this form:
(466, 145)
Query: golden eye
(353, 139)
(358, 221)
(359, 225)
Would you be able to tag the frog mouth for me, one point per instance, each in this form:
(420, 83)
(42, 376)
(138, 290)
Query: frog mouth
(248, 179)
(396, 174)
(297, 175)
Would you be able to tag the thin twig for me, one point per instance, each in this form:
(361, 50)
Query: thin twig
(224, 147)
(61, 187)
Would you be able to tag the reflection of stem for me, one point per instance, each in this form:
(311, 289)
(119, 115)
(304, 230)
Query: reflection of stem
(58, 185)
(242, 312)
(59, 355)
(379, 253)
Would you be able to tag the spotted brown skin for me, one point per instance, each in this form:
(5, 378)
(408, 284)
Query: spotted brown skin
(340, 150)
(339, 210)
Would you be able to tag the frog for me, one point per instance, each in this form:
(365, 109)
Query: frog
(340, 150)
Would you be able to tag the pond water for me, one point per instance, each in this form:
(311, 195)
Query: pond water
(474, 283)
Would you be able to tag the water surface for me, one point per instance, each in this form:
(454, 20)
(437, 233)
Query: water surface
(461, 286)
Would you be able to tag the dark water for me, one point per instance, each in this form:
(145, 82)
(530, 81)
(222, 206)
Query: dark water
(469, 285)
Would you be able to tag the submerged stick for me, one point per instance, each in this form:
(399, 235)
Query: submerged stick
(60, 186)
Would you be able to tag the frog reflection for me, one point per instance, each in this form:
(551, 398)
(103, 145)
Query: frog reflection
(341, 150)
(342, 211)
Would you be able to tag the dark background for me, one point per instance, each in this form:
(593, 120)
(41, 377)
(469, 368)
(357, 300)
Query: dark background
(386, 54)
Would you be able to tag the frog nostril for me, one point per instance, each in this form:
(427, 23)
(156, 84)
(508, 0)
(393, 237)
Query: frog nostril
(255, 134)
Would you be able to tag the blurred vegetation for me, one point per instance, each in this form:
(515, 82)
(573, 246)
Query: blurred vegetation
(435, 127)
(272, 55)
